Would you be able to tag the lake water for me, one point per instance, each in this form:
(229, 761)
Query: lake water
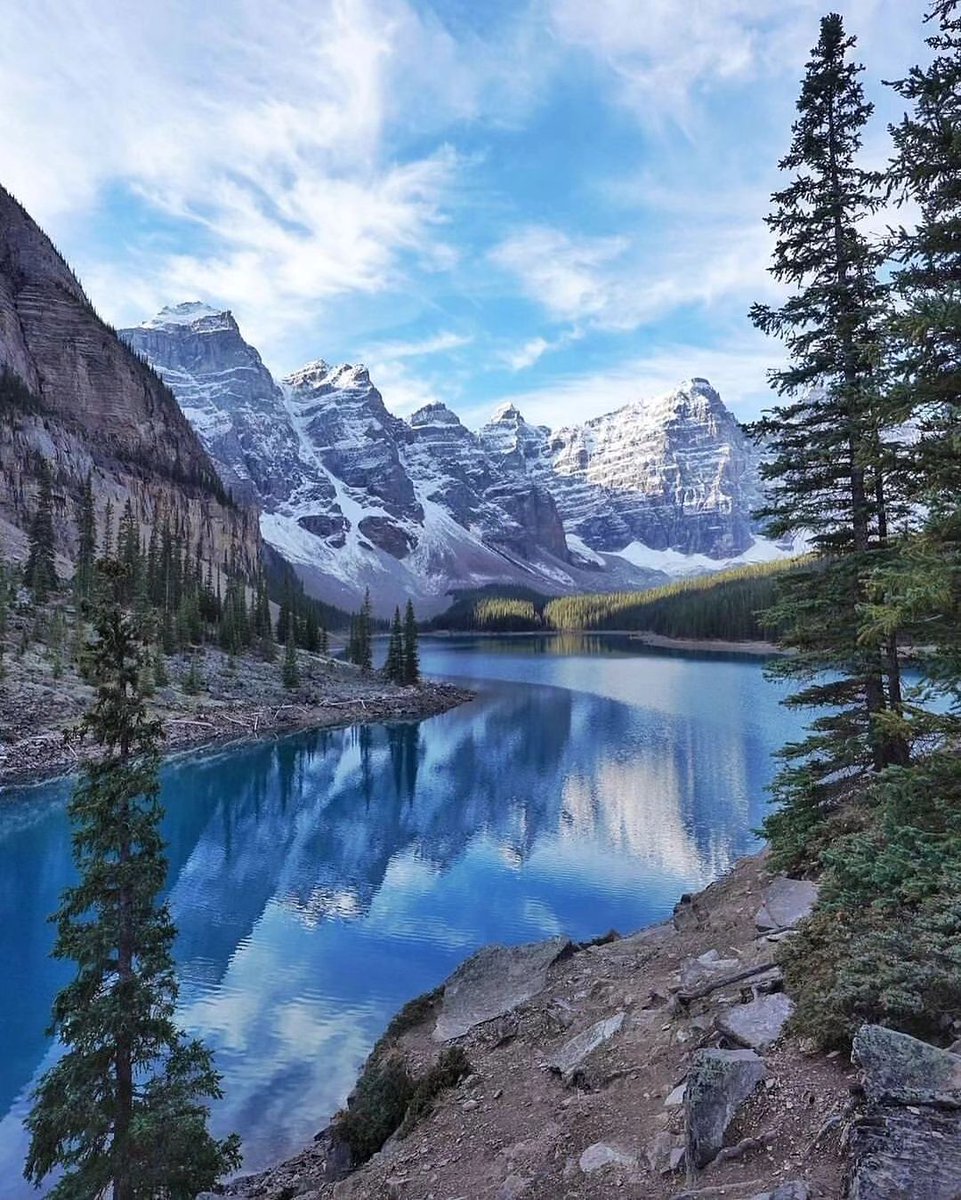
(321, 880)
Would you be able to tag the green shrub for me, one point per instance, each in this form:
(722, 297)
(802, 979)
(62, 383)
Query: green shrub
(451, 1067)
(884, 942)
(376, 1108)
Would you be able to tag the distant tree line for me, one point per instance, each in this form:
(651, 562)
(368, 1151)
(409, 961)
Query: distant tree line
(726, 605)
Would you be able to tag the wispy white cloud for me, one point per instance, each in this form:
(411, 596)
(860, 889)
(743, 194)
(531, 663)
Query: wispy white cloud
(568, 276)
(267, 138)
(737, 369)
(662, 56)
(437, 343)
(519, 358)
(616, 284)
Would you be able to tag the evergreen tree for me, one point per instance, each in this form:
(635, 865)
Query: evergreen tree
(128, 551)
(83, 579)
(107, 547)
(921, 592)
(160, 676)
(830, 467)
(324, 641)
(125, 1108)
(4, 613)
(193, 680)
(365, 629)
(291, 671)
(311, 631)
(394, 666)
(40, 574)
(411, 671)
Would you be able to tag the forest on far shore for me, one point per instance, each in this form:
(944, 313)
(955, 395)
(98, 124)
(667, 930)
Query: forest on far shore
(723, 606)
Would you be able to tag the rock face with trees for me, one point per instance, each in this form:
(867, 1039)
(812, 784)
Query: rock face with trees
(73, 395)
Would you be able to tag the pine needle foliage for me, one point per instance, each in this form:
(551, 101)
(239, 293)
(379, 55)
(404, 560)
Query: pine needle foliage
(411, 657)
(125, 1108)
(831, 453)
(40, 574)
(394, 664)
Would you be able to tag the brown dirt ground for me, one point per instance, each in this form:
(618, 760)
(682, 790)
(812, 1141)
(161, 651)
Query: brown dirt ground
(513, 1130)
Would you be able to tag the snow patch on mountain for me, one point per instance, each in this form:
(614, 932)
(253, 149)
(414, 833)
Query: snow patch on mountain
(672, 562)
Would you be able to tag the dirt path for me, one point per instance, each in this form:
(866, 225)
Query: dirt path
(516, 1130)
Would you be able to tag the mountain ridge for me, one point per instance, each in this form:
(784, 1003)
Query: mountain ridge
(355, 496)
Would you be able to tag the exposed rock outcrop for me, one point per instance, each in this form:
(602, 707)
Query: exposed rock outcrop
(492, 982)
(719, 1083)
(96, 409)
(908, 1140)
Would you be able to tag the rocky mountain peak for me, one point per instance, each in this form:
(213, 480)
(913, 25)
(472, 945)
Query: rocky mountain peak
(507, 414)
(321, 376)
(195, 314)
(356, 496)
(436, 413)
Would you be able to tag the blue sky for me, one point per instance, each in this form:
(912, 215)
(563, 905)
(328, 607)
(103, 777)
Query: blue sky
(557, 202)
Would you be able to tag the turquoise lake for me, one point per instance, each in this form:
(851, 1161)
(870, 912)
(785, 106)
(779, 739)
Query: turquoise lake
(321, 880)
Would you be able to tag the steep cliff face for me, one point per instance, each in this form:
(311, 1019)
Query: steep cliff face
(97, 410)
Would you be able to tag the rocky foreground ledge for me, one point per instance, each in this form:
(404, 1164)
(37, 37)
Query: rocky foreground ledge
(650, 1066)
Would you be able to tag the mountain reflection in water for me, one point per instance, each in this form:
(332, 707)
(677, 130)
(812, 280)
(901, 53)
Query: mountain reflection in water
(321, 880)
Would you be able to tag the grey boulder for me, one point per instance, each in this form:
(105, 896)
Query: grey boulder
(908, 1141)
(572, 1054)
(785, 903)
(900, 1069)
(492, 982)
(759, 1024)
(719, 1083)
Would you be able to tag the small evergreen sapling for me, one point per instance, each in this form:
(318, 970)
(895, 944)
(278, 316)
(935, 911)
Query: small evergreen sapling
(291, 670)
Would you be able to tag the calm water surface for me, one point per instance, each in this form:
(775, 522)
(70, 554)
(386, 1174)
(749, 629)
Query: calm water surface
(321, 880)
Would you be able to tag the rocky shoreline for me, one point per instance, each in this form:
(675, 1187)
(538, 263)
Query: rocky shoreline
(241, 702)
(649, 1066)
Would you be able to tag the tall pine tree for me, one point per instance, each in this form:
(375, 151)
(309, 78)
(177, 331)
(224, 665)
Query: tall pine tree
(830, 454)
(411, 671)
(124, 1110)
(40, 574)
(922, 593)
(394, 665)
(86, 547)
(290, 672)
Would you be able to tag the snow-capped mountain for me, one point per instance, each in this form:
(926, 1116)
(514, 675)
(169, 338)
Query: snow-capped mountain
(674, 474)
(354, 496)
